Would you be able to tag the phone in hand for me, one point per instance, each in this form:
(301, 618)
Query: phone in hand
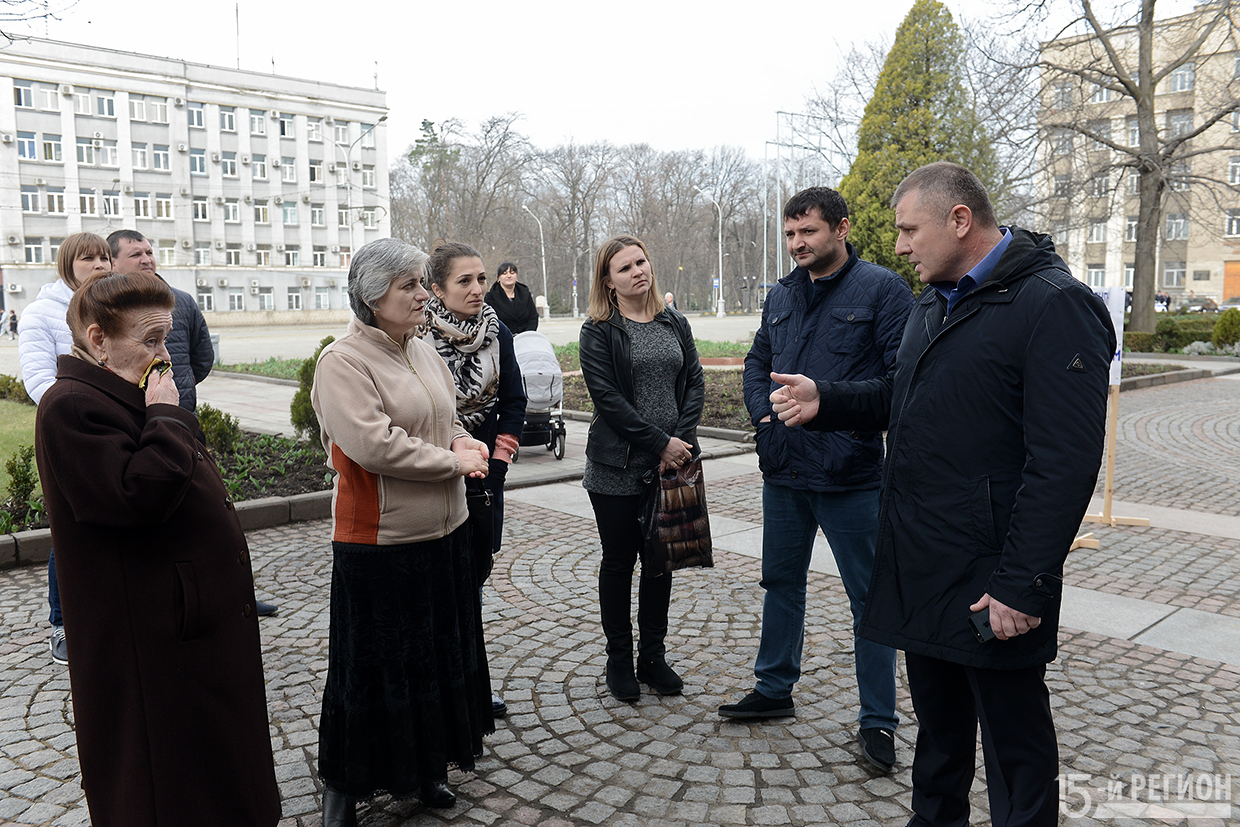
(980, 621)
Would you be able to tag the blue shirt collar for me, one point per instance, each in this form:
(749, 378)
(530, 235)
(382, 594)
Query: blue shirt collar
(975, 277)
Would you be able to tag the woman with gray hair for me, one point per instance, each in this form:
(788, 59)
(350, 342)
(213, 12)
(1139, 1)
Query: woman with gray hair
(408, 693)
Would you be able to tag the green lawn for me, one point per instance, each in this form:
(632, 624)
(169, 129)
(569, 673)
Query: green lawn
(16, 430)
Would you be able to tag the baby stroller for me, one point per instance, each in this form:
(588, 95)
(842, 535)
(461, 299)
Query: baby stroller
(544, 392)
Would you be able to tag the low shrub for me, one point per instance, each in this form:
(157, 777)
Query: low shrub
(301, 412)
(221, 430)
(12, 388)
(1138, 342)
(1227, 329)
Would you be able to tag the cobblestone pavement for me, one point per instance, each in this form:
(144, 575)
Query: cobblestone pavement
(568, 754)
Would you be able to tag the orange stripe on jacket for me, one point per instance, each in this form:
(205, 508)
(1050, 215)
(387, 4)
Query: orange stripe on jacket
(357, 501)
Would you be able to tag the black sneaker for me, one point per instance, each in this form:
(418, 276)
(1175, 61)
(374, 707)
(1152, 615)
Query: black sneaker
(498, 708)
(757, 705)
(659, 676)
(878, 745)
(264, 609)
(60, 652)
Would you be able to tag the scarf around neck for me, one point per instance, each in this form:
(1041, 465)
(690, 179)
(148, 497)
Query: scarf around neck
(470, 347)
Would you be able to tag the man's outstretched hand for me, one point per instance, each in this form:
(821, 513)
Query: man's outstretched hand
(796, 400)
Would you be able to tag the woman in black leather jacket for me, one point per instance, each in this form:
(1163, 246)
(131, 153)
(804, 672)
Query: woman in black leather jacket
(642, 370)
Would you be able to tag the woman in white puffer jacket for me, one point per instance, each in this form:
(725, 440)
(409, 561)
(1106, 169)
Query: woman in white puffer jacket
(43, 336)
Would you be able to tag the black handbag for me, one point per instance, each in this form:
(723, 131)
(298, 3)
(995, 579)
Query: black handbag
(674, 521)
(481, 530)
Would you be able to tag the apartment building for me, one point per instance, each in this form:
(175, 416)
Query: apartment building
(254, 189)
(1088, 187)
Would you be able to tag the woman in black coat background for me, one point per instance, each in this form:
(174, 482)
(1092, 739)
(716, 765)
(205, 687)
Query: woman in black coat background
(512, 300)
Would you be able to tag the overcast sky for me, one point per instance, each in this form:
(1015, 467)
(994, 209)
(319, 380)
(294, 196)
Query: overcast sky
(676, 74)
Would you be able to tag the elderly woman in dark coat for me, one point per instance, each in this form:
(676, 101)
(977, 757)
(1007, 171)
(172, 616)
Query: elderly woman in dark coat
(167, 678)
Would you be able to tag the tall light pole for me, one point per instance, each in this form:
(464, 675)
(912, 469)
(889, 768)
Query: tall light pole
(719, 311)
(348, 179)
(542, 246)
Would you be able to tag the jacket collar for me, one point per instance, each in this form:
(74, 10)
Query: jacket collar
(376, 336)
(70, 366)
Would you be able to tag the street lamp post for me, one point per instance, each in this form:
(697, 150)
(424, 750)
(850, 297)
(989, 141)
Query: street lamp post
(719, 310)
(543, 248)
(348, 179)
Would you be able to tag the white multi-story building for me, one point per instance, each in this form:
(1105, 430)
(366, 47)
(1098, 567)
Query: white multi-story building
(253, 189)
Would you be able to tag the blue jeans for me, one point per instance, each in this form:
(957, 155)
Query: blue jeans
(849, 519)
(53, 591)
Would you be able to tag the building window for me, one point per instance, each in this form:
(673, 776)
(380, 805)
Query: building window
(1231, 225)
(1101, 130)
(1198, 275)
(23, 96)
(111, 202)
(51, 99)
(342, 217)
(1179, 176)
(346, 258)
(370, 218)
(1134, 130)
(294, 298)
(317, 216)
(158, 111)
(232, 255)
(1099, 185)
(142, 205)
(286, 125)
(1177, 226)
(1101, 94)
(316, 171)
(160, 158)
(236, 298)
(1095, 275)
(262, 256)
(1061, 142)
(109, 154)
(1134, 182)
(1061, 94)
(319, 258)
(56, 200)
(260, 167)
(1173, 274)
(340, 132)
(1129, 269)
(314, 129)
(141, 157)
(51, 148)
(197, 162)
(1233, 170)
(1182, 78)
(202, 253)
(163, 205)
(290, 213)
(1097, 232)
(193, 112)
(258, 122)
(86, 151)
(322, 298)
(34, 250)
(30, 198)
(1130, 228)
(288, 169)
(1179, 122)
(260, 212)
(137, 109)
(201, 208)
(26, 145)
(87, 203)
(266, 299)
(105, 104)
(81, 103)
(232, 211)
(368, 176)
(56, 242)
(292, 257)
(206, 300)
(228, 119)
(368, 136)
(228, 164)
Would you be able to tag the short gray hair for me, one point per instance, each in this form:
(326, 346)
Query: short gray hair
(373, 270)
(943, 185)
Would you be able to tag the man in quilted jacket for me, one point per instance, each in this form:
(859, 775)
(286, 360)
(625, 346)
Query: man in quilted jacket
(834, 317)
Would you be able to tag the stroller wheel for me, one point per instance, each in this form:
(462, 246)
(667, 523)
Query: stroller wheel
(559, 446)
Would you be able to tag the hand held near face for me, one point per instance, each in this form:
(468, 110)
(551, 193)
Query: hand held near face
(161, 387)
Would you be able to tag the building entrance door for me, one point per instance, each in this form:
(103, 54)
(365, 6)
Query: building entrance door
(1231, 280)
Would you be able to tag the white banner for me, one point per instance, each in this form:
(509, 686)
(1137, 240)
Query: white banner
(1115, 298)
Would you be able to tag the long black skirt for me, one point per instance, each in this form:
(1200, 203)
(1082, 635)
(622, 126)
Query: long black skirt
(408, 692)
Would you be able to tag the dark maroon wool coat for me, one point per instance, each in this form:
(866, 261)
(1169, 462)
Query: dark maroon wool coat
(165, 668)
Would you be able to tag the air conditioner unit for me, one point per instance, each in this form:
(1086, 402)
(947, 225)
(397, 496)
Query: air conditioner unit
(186, 243)
(215, 156)
(275, 162)
(331, 168)
(98, 135)
(128, 188)
(245, 159)
(305, 282)
(15, 239)
(254, 282)
(279, 248)
(329, 120)
(357, 165)
(182, 148)
(305, 199)
(219, 245)
(8, 139)
(253, 291)
(184, 190)
(13, 288)
(203, 282)
(222, 282)
(40, 182)
(275, 113)
(219, 199)
(331, 282)
(335, 249)
(278, 199)
(249, 199)
(251, 247)
(66, 89)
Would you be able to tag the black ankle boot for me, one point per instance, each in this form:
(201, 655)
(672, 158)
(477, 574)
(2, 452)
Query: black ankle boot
(437, 795)
(339, 810)
(621, 682)
(659, 676)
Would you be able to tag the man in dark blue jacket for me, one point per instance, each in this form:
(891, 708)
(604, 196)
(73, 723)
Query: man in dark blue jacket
(996, 413)
(835, 317)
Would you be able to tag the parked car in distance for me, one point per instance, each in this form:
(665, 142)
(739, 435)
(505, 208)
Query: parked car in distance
(1206, 305)
(1234, 301)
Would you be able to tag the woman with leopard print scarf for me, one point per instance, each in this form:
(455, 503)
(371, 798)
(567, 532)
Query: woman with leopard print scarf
(477, 347)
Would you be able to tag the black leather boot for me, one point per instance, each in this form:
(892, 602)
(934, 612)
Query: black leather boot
(437, 795)
(339, 810)
(614, 607)
(621, 682)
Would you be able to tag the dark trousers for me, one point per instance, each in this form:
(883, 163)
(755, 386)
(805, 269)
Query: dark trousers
(53, 591)
(621, 537)
(1018, 743)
